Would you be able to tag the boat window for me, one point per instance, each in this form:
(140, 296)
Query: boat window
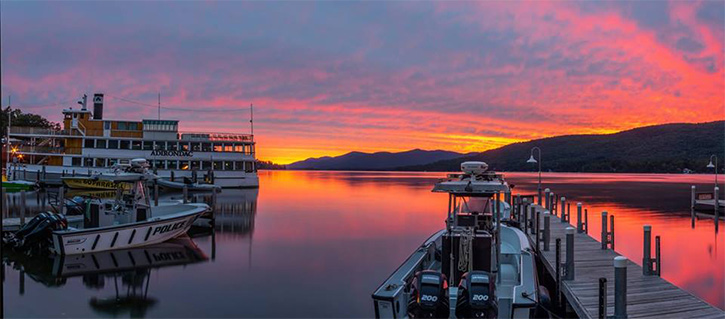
(159, 164)
(206, 165)
(196, 147)
(217, 165)
(217, 147)
(76, 161)
(184, 146)
(88, 143)
(184, 165)
(206, 147)
(125, 144)
(113, 144)
(135, 145)
(100, 162)
(195, 165)
(106, 125)
(88, 162)
(249, 167)
(172, 146)
(147, 145)
(158, 145)
(251, 149)
(227, 166)
(239, 148)
(228, 148)
(238, 166)
(101, 143)
(172, 164)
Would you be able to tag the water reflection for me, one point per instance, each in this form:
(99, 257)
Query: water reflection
(330, 238)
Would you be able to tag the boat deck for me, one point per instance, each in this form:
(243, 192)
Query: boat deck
(647, 296)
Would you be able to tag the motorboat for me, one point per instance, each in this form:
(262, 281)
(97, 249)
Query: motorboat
(479, 266)
(18, 185)
(127, 221)
(189, 184)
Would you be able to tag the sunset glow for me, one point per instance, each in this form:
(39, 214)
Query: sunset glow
(327, 78)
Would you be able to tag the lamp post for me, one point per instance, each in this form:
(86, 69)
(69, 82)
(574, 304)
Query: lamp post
(710, 165)
(534, 161)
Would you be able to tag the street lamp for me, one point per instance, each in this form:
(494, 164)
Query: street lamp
(534, 161)
(710, 165)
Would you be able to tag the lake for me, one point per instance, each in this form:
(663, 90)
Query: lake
(316, 244)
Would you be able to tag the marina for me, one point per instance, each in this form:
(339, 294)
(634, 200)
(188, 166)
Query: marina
(258, 232)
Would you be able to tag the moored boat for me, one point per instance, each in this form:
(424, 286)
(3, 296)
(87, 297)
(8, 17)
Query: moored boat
(127, 221)
(480, 266)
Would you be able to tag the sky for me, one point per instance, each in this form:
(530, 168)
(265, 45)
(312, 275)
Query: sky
(329, 77)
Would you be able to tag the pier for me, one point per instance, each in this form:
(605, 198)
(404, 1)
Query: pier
(592, 278)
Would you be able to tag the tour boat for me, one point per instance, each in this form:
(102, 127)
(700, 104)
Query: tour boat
(127, 221)
(89, 144)
(479, 266)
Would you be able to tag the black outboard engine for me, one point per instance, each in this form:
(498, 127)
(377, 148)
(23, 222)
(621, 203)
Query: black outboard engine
(428, 297)
(476, 298)
(37, 231)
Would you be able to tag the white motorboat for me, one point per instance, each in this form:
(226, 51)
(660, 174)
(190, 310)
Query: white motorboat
(479, 266)
(127, 221)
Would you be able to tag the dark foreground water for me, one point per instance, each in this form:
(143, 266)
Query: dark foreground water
(316, 244)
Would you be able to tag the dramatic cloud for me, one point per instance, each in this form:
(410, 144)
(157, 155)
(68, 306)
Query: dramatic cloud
(330, 77)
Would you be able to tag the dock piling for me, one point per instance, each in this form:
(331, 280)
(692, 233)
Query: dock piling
(604, 230)
(557, 270)
(546, 199)
(611, 232)
(717, 210)
(538, 231)
(172, 176)
(620, 287)
(23, 207)
(61, 201)
(563, 209)
(186, 194)
(525, 217)
(531, 220)
(602, 298)
(569, 268)
(658, 257)
(156, 193)
(579, 225)
(547, 230)
(692, 205)
(586, 221)
(647, 252)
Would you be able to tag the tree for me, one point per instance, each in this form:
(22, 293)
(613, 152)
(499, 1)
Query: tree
(18, 118)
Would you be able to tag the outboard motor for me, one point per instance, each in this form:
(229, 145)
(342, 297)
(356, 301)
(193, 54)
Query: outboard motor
(476, 298)
(37, 231)
(428, 297)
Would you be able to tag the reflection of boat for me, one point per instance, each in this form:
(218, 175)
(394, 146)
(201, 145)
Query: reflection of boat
(705, 204)
(129, 267)
(478, 267)
(17, 185)
(127, 221)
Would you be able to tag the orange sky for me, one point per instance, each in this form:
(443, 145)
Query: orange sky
(388, 76)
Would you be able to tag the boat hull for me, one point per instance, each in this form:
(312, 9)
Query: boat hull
(123, 237)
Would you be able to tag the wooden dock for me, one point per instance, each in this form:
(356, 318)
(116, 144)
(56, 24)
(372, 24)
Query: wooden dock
(646, 296)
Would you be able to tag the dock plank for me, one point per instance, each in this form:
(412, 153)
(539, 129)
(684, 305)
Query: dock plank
(647, 296)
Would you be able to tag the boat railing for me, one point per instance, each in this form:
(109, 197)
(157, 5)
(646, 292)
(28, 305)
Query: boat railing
(36, 131)
(205, 136)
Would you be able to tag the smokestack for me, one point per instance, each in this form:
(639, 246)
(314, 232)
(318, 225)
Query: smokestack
(98, 106)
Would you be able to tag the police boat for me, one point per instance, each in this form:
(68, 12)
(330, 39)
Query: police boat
(480, 266)
(127, 221)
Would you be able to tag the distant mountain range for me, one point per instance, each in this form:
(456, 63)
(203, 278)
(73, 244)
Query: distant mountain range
(667, 148)
(375, 161)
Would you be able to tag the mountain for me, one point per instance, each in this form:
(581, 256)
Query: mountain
(667, 148)
(374, 161)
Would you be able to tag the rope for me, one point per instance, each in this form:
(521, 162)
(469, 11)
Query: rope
(464, 250)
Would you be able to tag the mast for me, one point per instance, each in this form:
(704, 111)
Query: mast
(251, 117)
(159, 106)
(7, 137)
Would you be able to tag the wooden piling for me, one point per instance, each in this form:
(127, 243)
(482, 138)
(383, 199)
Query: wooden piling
(547, 230)
(646, 252)
(23, 207)
(569, 275)
(620, 287)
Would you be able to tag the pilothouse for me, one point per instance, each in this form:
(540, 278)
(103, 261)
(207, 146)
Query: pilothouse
(479, 266)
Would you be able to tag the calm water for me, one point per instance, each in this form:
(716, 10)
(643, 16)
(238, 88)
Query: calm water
(316, 244)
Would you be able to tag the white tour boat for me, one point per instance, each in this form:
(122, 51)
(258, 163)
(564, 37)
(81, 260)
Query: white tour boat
(88, 144)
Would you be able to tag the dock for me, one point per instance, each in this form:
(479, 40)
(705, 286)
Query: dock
(647, 295)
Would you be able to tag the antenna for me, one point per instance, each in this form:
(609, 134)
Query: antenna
(251, 117)
(159, 106)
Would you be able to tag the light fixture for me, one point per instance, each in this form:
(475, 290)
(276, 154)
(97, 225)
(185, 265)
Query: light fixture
(710, 165)
(531, 159)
